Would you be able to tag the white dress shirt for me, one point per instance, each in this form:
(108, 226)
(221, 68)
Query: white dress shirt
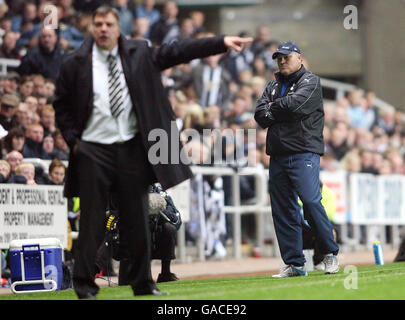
(102, 127)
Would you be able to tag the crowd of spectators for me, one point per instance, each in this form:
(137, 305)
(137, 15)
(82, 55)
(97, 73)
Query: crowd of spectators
(218, 92)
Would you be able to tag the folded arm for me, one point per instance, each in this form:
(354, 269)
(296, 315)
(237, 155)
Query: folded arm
(300, 103)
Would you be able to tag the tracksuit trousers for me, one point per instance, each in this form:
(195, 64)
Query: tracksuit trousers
(293, 176)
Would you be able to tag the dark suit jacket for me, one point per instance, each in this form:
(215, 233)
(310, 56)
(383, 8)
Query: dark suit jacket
(142, 66)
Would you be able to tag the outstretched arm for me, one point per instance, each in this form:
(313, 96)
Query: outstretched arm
(237, 43)
(178, 52)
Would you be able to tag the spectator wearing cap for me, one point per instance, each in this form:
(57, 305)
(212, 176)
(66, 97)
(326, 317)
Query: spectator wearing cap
(45, 58)
(8, 104)
(291, 107)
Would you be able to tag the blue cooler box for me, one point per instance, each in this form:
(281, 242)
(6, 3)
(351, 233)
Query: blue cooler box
(36, 265)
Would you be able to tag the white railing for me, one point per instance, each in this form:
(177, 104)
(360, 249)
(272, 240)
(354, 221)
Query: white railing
(259, 204)
(5, 63)
(355, 190)
(366, 203)
(342, 89)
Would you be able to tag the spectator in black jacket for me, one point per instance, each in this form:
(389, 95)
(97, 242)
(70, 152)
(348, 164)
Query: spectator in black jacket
(8, 49)
(34, 137)
(57, 171)
(45, 58)
(291, 108)
(167, 28)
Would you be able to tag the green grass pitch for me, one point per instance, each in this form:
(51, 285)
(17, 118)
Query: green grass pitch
(359, 283)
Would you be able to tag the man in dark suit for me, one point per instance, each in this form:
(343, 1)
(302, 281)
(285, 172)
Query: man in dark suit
(109, 96)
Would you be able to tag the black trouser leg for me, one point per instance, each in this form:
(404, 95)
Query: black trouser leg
(132, 195)
(95, 180)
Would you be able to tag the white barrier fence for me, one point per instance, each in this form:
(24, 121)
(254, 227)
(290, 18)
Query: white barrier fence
(5, 63)
(365, 203)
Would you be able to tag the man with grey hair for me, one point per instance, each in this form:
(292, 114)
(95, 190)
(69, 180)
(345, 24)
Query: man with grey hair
(109, 96)
(291, 108)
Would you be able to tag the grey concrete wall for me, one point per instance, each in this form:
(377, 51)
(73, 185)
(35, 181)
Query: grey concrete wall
(315, 25)
(384, 49)
(374, 54)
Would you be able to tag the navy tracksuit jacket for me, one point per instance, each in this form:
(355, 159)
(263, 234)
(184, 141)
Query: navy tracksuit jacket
(292, 110)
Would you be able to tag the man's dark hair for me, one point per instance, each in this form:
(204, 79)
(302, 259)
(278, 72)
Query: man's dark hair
(55, 164)
(105, 10)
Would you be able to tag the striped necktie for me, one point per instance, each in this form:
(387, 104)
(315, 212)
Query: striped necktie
(114, 87)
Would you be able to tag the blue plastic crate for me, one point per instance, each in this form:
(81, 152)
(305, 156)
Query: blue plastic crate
(36, 265)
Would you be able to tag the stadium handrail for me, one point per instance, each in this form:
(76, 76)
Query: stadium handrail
(259, 206)
(5, 63)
